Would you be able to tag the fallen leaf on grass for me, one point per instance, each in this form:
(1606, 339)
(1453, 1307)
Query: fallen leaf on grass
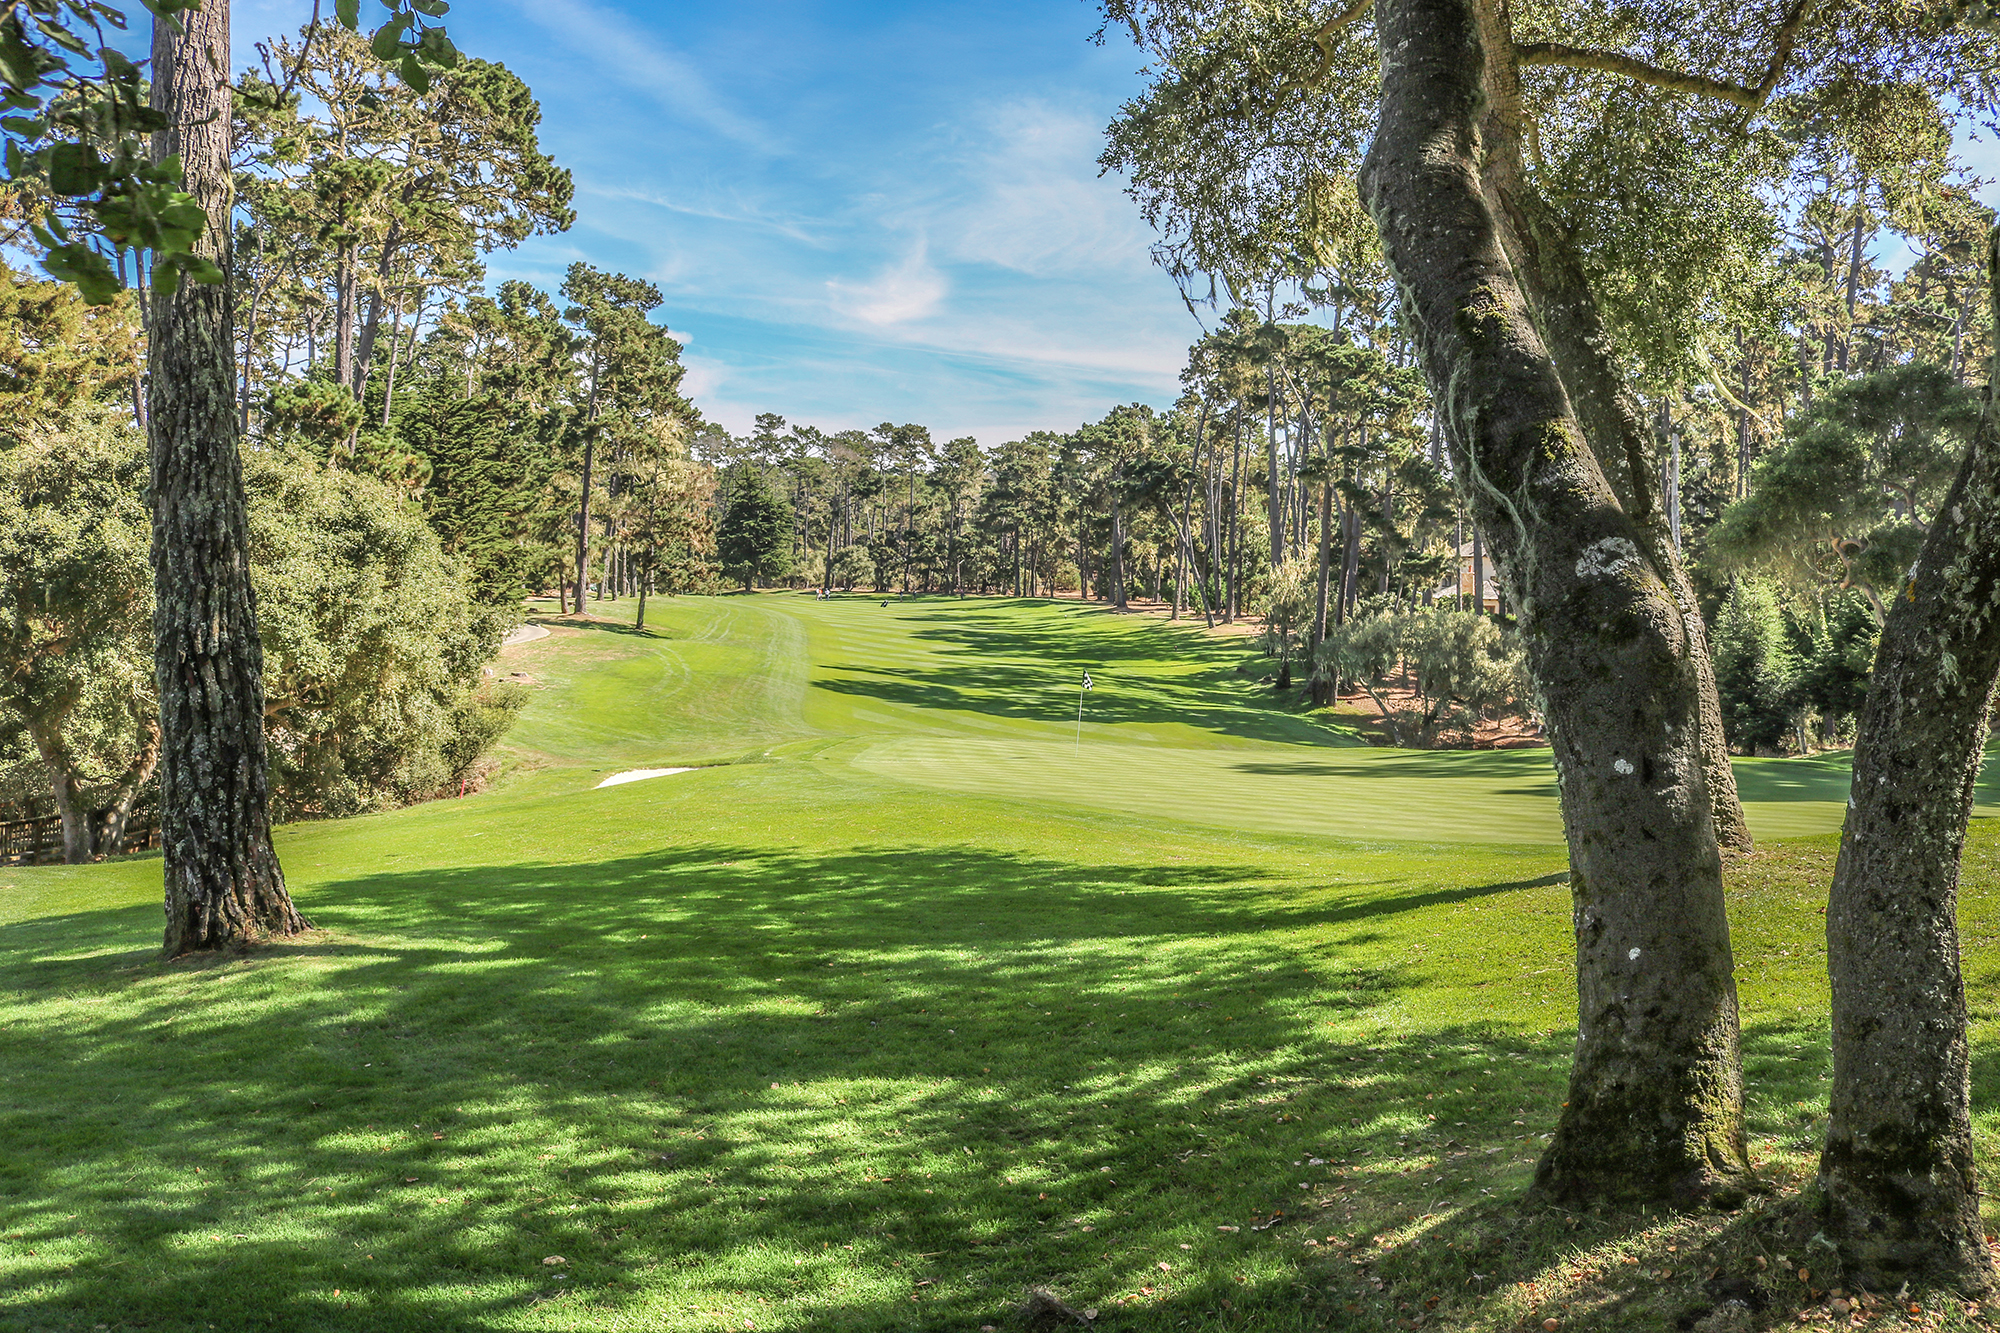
(1229, 1228)
(555, 1259)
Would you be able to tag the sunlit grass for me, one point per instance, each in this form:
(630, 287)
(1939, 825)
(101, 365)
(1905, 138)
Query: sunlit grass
(795, 1044)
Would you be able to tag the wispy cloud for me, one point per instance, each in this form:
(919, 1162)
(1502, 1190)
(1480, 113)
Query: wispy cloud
(1038, 206)
(621, 52)
(907, 290)
(744, 214)
(855, 229)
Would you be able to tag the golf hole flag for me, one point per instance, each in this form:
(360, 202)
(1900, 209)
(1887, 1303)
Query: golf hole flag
(1079, 711)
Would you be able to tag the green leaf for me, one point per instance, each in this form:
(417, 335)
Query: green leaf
(414, 73)
(75, 169)
(14, 160)
(349, 14)
(437, 48)
(62, 37)
(436, 9)
(166, 280)
(18, 66)
(388, 39)
(185, 214)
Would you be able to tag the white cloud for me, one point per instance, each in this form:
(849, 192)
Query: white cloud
(907, 290)
(704, 379)
(1039, 206)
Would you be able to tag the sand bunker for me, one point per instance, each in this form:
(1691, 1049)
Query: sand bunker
(639, 774)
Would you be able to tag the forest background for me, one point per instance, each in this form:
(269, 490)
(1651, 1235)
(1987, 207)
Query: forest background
(434, 450)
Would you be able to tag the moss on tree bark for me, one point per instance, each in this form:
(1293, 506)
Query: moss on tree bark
(1655, 1096)
(223, 882)
(1897, 1190)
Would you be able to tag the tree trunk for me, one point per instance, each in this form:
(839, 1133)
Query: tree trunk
(1855, 251)
(223, 882)
(1898, 1192)
(1325, 561)
(79, 843)
(645, 581)
(1235, 602)
(1548, 267)
(1655, 1095)
(1478, 571)
(1350, 561)
(344, 283)
(111, 832)
(583, 522)
(389, 383)
(583, 501)
(1274, 503)
(1117, 550)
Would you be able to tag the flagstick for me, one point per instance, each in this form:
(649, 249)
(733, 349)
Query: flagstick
(1079, 724)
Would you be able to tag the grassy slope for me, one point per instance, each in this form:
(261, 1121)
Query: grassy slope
(827, 1040)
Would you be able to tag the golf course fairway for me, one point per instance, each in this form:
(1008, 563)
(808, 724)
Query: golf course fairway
(917, 995)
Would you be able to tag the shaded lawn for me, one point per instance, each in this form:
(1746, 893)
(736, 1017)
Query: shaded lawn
(1023, 1054)
(1010, 1044)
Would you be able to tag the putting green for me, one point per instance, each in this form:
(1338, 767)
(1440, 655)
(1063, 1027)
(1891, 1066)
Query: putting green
(981, 697)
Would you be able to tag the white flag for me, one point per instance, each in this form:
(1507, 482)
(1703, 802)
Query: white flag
(1086, 680)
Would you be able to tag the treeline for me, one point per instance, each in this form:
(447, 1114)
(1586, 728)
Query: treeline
(416, 454)
(1797, 488)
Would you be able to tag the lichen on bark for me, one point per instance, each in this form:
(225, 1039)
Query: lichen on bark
(224, 885)
(1655, 1096)
(1897, 1190)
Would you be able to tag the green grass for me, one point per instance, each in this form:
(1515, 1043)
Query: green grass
(905, 1003)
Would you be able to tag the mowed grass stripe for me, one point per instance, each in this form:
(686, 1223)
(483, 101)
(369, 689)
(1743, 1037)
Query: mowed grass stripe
(1015, 1040)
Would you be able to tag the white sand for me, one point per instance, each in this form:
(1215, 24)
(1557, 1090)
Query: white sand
(640, 774)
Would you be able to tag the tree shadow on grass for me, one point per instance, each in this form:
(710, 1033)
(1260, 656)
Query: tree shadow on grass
(1002, 664)
(882, 1089)
(1029, 694)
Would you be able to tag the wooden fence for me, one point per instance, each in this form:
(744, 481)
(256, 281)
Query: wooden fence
(32, 842)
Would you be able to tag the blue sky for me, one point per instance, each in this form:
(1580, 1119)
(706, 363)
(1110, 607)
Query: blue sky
(857, 212)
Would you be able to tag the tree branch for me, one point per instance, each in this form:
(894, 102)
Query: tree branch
(1323, 39)
(1699, 85)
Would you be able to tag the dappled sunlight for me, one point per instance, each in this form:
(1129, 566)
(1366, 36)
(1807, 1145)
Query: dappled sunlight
(806, 1044)
(721, 1062)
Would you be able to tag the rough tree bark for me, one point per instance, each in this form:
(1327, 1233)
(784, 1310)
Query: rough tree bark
(1897, 1190)
(1655, 1096)
(223, 882)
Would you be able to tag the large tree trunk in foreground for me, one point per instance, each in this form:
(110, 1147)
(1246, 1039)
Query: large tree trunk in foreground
(1655, 1095)
(1898, 1193)
(223, 882)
